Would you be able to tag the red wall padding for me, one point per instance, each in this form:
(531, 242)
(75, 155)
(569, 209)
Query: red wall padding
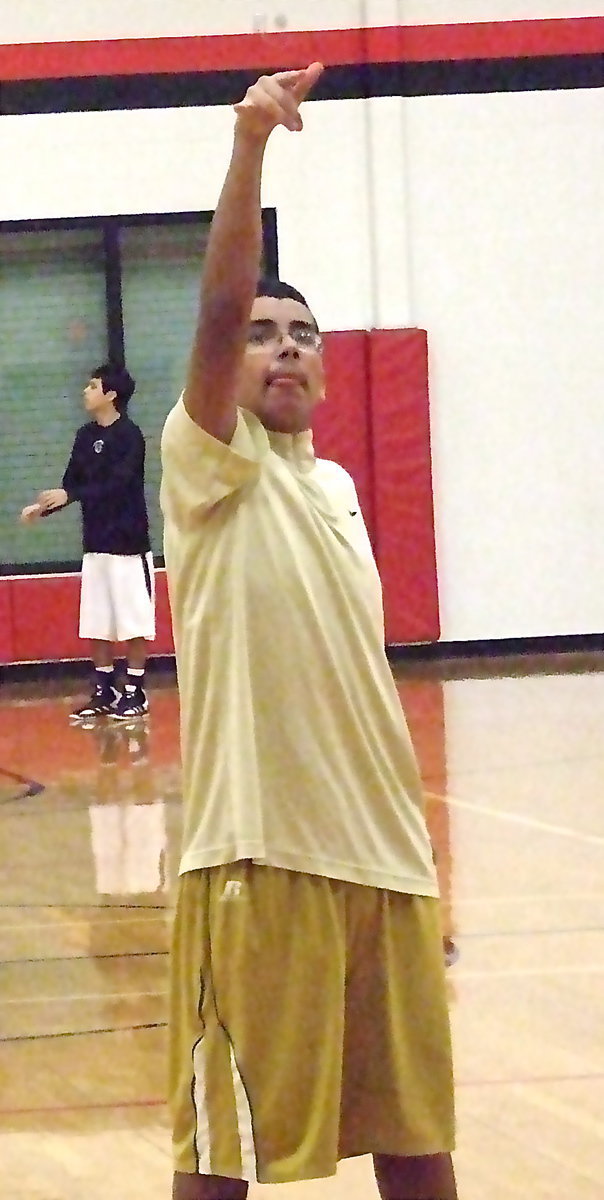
(404, 513)
(43, 616)
(341, 425)
(163, 643)
(6, 623)
(375, 422)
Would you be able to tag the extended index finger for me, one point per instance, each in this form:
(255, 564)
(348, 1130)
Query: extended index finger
(307, 80)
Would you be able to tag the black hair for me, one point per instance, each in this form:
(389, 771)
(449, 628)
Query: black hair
(270, 285)
(115, 379)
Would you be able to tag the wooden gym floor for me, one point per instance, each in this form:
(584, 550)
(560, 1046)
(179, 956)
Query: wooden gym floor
(512, 757)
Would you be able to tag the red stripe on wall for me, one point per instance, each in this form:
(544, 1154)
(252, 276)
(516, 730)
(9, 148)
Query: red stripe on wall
(404, 514)
(334, 47)
(43, 618)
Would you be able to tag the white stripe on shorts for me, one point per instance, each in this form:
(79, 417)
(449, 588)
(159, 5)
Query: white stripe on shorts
(200, 1100)
(244, 1123)
(244, 1117)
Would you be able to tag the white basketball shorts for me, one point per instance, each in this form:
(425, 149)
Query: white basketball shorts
(117, 600)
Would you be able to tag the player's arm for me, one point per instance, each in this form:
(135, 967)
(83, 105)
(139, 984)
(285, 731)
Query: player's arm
(234, 251)
(31, 513)
(46, 504)
(53, 499)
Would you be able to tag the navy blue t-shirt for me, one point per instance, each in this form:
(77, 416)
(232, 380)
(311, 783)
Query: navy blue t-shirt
(106, 474)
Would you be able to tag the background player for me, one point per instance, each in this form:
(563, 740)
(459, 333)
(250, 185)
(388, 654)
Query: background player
(106, 475)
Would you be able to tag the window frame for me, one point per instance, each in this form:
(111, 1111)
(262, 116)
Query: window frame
(111, 227)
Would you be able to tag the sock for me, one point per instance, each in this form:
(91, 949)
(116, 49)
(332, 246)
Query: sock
(135, 678)
(103, 676)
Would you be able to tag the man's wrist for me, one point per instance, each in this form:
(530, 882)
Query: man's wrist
(248, 140)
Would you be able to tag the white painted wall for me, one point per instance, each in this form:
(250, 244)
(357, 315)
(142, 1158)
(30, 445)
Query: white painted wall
(479, 218)
(84, 20)
(506, 226)
(443, 12)
(173, 160)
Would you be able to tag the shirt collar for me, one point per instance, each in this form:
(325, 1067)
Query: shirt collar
(296, 448)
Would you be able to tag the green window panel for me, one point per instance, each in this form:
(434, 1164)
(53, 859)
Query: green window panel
(161, 271)
(52, 288)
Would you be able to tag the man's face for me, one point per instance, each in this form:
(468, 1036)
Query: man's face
(282, 377)
(95, 399)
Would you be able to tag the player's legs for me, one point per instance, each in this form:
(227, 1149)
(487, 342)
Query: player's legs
(133, 598)
(101, 653)
(308, 1024)
(136, 653)
(428, 1177)
(256, 1028)
(98, 629)
(397, 1091)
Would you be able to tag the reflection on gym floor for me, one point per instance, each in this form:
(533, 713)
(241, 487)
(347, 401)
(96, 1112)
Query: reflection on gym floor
(90, 826)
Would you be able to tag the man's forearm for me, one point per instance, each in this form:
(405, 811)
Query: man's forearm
(234, 251)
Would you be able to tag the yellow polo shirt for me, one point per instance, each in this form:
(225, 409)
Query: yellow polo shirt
(294, 745)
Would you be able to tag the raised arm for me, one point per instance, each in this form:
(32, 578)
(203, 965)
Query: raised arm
(234, 251)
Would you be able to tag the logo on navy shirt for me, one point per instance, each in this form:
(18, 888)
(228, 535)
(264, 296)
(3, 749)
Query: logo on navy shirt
(98, 446)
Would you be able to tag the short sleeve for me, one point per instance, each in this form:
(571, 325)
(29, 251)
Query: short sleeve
(198, 470)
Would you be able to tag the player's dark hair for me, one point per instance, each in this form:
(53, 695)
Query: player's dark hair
(115, 379)
(269, 285)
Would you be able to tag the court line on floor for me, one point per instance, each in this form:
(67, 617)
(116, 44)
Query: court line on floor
(102, 1106)
(527, 898)
(463, 935)
(71, 998)
(458, 974)
(593, 839)
(528, 1080)
(91, 958)
(63, 906)
(83, 920)
(67, 1033)
(477, 935)
(107, 1105)
(525, 972)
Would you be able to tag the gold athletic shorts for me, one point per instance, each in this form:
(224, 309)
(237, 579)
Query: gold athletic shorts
(308, 1024)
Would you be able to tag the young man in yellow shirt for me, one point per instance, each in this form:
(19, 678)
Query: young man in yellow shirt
(309, 1020)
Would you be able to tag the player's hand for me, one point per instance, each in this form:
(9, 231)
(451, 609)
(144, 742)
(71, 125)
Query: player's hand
(275, 100)
(54, 498)
(30, 513)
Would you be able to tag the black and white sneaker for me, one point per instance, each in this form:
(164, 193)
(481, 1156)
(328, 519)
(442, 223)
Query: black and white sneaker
(101, 703)
(132, 705)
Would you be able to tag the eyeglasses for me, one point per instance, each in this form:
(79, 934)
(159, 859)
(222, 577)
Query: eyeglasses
(266, 333)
